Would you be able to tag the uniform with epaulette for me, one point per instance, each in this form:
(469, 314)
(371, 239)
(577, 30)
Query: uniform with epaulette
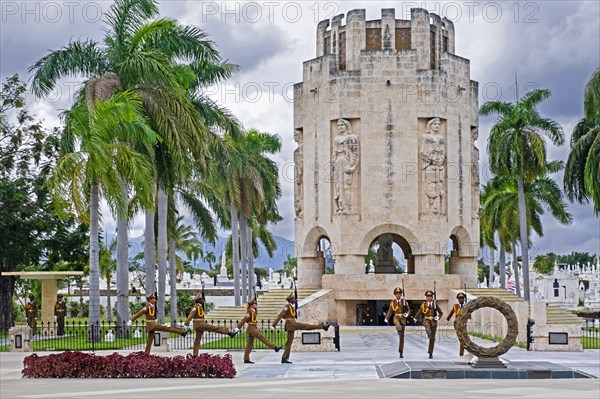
(60, 311)
(456, 309)
(152, 325)
(31, 313)
(199, 324)
(400, 310)
(251, 319)
(431, 313)
(288, 313)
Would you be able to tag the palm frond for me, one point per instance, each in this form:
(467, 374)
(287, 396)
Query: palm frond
(84, 58)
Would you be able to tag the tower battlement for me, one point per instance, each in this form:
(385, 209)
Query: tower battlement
(426, 34)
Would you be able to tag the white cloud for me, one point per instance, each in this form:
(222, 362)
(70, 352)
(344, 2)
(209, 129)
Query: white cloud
(557, 52)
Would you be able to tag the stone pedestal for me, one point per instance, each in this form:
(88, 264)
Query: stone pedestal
(326, 341)
(385, 268)
(20, 336)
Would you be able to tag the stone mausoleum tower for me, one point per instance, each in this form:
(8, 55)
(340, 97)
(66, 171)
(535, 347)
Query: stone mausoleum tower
(386, 120)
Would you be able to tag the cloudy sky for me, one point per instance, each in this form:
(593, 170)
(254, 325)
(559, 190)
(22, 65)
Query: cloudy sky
(548, 44)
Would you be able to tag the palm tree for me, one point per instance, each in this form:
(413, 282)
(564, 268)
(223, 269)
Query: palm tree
(160, 61)
(249, 182)
(210, 258)
(289, 264)
(194, 251)
(492, 223)
(107, 267)
(91, 164)
(500, 207)
(582, 172)
(516, 148)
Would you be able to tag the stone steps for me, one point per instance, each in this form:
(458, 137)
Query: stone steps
(269, 305)
(501, 293)
(556, 315)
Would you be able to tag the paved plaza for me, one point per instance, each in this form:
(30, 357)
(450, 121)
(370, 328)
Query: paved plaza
(350, 373)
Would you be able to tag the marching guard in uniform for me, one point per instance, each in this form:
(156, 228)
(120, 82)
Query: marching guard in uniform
(456, 309)
(252, 330)
(152, 325)
(60, 311)
(431, 313)
(31, 313)
(200, 325)
(289, 313)
(400, 311)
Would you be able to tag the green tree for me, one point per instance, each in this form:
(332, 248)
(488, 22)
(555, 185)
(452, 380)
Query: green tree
(575, 258)
(517, 149)
(289, 264)
(92, 163)
(210, 258)
(181, 237)
(108, 266)
(501, 207)
(194, 251)
(32, 236)
(247, 180)
(582, 172)
(161, 62)
(544, 264)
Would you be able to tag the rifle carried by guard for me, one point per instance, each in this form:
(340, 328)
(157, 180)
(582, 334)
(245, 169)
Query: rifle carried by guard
(434, 301)
(295, 299)
(405, 314)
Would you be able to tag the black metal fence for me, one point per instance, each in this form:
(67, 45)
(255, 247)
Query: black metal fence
(81, 336)
(590, 334)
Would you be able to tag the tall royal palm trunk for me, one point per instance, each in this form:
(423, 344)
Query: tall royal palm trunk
(123, 264)
(502, 261)
(236, 254)
(523, 232)
(516, 269)
(251, 282)
(94, 279)
(491, 270)
(173, 280)
(162, 253)
(108, 300)
(244, 257)
(149, 252)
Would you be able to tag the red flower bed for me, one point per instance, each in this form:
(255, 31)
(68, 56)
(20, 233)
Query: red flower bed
(71, 364)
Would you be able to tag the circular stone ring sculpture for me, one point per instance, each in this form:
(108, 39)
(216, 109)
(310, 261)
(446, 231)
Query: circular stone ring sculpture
(487, 302)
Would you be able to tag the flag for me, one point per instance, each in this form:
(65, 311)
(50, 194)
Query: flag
(510, 286)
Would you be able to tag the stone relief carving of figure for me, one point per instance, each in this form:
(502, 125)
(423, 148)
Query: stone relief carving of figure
(475, 173)
(387, 38)
(385, 254)
(298, 173)
(434, 165)
(345, 161)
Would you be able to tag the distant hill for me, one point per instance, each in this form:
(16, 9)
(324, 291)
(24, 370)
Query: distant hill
(284, 247)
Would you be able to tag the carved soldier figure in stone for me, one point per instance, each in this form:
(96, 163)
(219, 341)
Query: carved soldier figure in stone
(298, 173)
(434, 163)
(345, 161)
